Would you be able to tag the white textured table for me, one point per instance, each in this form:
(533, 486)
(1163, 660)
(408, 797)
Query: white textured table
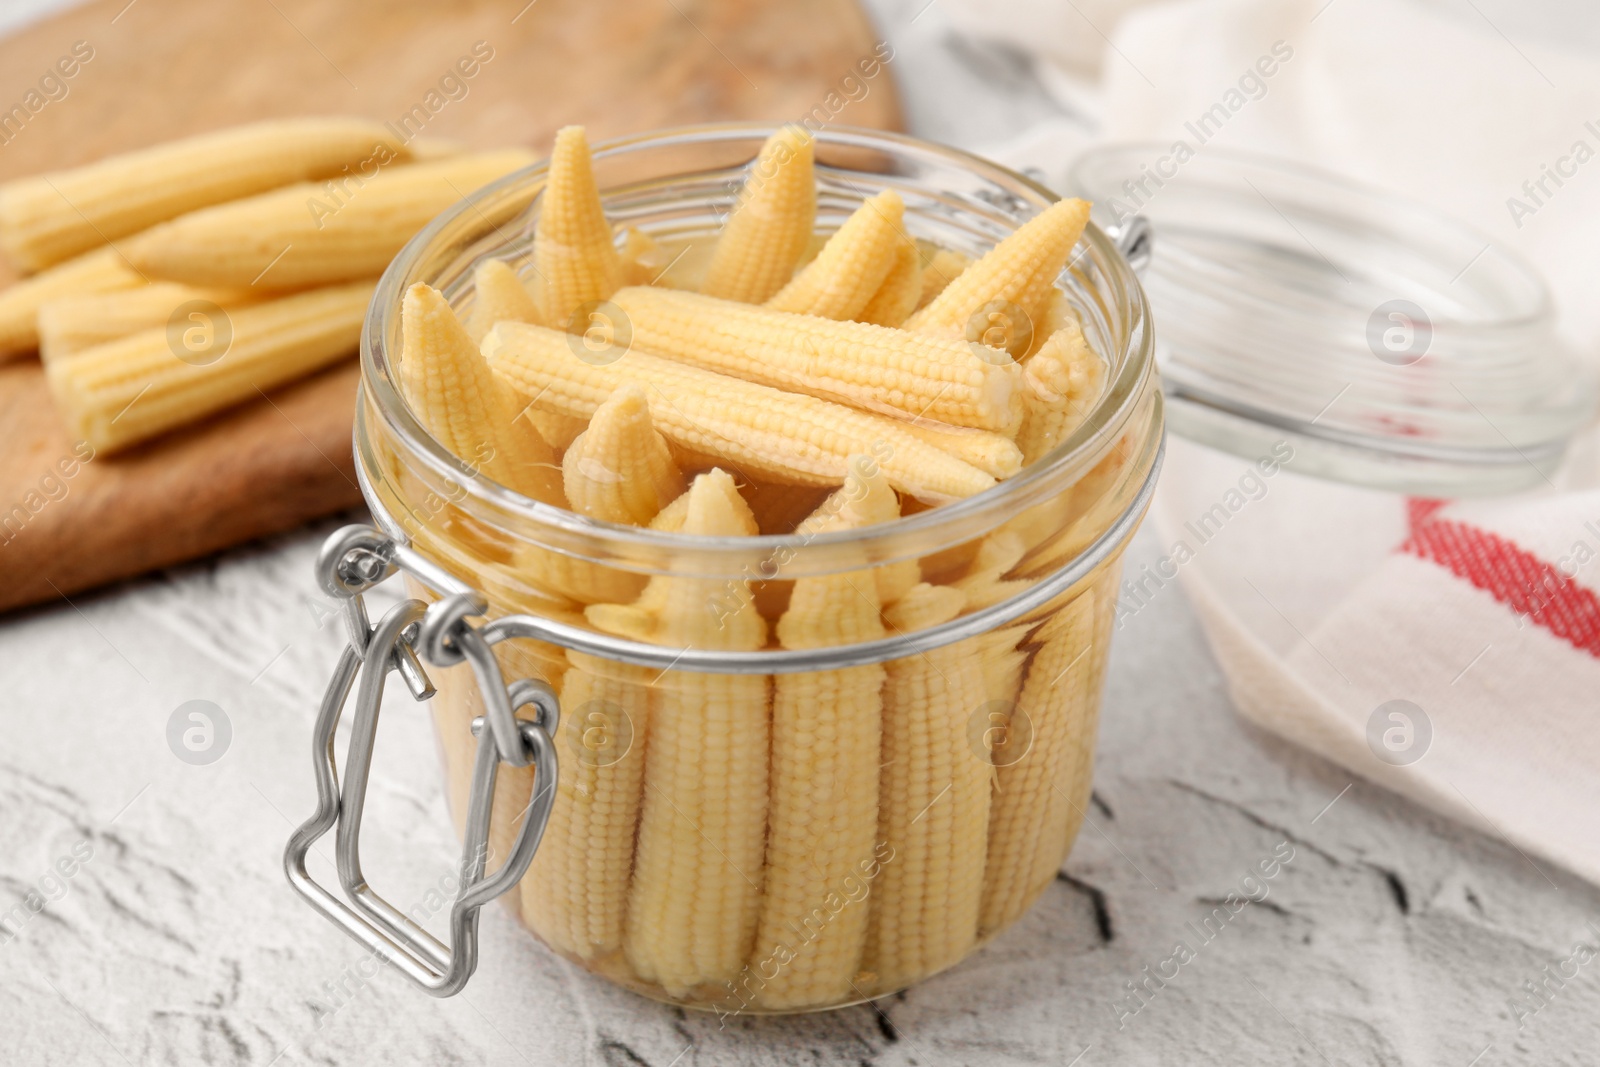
(1389, 937)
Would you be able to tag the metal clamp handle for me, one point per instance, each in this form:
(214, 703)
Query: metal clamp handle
(352, 561)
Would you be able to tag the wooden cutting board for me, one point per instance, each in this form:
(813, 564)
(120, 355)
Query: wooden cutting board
(169, 68)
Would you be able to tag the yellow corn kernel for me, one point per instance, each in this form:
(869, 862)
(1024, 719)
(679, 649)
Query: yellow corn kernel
(72, 324)
(574, 259)
(295, 236)
(993, 453)
(576, 893)
(852, 266)
(47, 218)
(786, 436)
(872, 367)
(101, 271)
(823, 815)
(497, 294)
(464, 406)
(933, 808)
(771, 225)
(696, 891)
(897, 297)
(943, 268)
(120, 393)
(1017, 273)
(866, 499)
(1063, 380)
(1031, 818)
(620, 469)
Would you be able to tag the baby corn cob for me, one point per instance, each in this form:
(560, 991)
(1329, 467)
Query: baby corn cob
(855, 363)
(643, 258)
(1063, 381)
(933, 809)
(1018, 272)
(620, 469)
(1032, 818)
(789, 436)
(866, 499)
(696, 892)
(51, 217)
(277, 239)
(993, 453)
(102, 271)
(120, 393)
(897, 297)
(463, 404)
(576, 892)
(825, 740)
(574, 259)
(945, 267)
(498, 294)
(75, 323)
(771, 225)
(852, 266)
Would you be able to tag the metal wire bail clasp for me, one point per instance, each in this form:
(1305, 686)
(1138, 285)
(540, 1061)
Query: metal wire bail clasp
(352, 561)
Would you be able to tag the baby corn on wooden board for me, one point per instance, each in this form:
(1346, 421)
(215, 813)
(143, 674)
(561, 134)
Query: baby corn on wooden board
(483, 77)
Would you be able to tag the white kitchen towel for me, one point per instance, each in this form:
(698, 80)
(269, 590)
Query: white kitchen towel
(1450, 650)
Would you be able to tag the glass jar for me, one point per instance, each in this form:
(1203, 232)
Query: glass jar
(753, 824)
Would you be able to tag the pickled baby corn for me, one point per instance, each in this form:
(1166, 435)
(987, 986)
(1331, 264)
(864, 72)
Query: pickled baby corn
(696, 891)
(463, 404)
(897, 297)
(1063, 381)
(855, 363)
(852, 266)
(575, 894)
(933, 807)
(791, 436)
(771, 225)
(574, 259)
(47, 218)
(102, 271)
(821, 830)
(278, 241)
(120, 393)
(1034, 811)
(498, 294)
(620, 468)
(1014, 276)
(72, 324)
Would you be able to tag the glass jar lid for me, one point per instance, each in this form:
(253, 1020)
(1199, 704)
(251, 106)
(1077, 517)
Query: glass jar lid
(1392, 345)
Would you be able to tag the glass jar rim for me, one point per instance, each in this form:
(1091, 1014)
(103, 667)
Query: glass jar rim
(1132, 369)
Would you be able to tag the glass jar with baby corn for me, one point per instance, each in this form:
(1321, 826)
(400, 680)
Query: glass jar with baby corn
(760, 495)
